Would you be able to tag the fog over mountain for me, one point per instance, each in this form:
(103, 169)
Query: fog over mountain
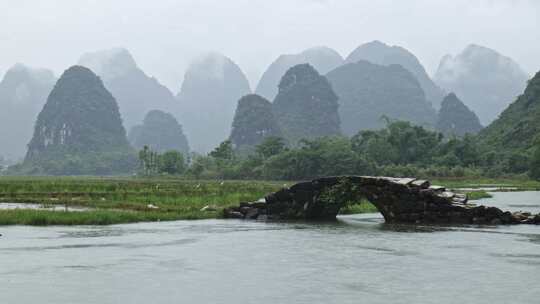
(135, 92)
(254, 120)
(310, 93)
(306, 107)
(456, 119)
(383, 54)
(79, 130)
(23, 92)
(161, 132)
(165, 35)
(486, 81)
(207, 101)
(368, 92)
(518, 126)
(323, 59)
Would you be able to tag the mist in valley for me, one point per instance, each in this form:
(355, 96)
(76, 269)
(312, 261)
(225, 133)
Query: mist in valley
(322, 71)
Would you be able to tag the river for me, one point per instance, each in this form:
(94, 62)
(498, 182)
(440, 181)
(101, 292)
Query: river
(358, 259)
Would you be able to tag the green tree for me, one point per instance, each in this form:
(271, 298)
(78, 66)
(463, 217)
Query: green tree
(314, 158)
(534, 172)
(399, 143)
(224, 158)
(172, 162)
(149, 161)
(270, 146)
(224, 151)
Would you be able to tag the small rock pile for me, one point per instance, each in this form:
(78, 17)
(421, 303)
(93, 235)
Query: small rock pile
(400, 200)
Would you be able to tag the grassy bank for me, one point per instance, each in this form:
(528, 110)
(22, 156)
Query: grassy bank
(127, 200)
(362, 207)
(477, 195)
(123, 200)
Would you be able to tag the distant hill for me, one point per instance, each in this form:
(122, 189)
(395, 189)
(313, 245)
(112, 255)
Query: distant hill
(161, 132)
(455, 118)
(485, 80)
(207, 100)
(135, 92)
(383, 54)
(254, 120)
(368, 91)
(23, 92)
(306, 107)
(323, 59)
(79, 130)
(518, 127)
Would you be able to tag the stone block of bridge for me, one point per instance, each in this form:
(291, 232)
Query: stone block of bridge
(399, 200)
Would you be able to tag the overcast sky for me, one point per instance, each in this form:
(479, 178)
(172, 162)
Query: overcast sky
(164, 35)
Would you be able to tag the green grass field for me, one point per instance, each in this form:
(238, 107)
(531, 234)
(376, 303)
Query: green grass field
(129, 199)
(123, 200)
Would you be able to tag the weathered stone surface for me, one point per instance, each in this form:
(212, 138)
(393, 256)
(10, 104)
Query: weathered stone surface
(421, 183)
(235, 215)
(398, 200)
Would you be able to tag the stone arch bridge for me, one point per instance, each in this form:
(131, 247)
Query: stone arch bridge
(399, 200)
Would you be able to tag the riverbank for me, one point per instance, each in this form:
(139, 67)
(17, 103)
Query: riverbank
(126, 199)
(123, 200)
(495, 184)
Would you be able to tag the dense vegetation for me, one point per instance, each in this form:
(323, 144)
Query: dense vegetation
(151, 162)
(507, 148)
(253, 121)
(306, 106)
(456, 119)
(123, 200)
(367, 92)
(79, 130)
(518, 127)
(159, 131)
(400, 149)
(383, 109)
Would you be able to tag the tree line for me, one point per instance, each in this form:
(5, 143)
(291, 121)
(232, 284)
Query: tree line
(399, 149)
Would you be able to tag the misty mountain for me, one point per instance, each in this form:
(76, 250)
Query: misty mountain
(161, 132)
(456, 119)
(383, 54)
(368, 91)
(135, 92)
(323, 59)
(207, 100)
(306, 107)
(23, 92)
(79, 130)
(518, 127)
(253, 121)
(485, 80)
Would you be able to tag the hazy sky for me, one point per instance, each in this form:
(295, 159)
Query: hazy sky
(164, 35)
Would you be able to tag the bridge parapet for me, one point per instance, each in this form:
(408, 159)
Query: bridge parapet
(399, 200)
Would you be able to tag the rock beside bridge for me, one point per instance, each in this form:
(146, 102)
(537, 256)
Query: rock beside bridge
(399, 200)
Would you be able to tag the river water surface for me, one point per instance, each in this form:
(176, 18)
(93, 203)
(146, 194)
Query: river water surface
(356, 260)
